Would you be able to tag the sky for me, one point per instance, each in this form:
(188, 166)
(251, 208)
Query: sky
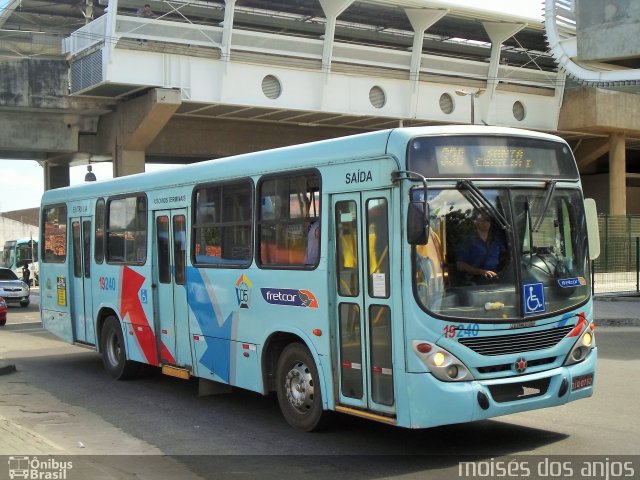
(22, 181)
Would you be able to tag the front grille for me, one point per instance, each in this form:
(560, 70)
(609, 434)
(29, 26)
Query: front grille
(12, 289)
(519, 391)
(516, 343)
(508, 366)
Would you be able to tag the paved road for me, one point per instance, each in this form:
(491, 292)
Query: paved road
(61, 402)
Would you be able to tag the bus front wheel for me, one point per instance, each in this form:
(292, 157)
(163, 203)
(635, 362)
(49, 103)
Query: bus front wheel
(114, 357)
(298, 388)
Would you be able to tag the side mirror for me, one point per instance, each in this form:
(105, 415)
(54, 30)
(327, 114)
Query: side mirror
(593, 232)
(418, 223)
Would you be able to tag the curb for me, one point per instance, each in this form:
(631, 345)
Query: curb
(6, 368)
(617, 322)
(616, 298)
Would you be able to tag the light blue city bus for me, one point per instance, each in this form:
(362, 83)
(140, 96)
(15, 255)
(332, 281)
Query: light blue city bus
(18, 253)
(333, 273)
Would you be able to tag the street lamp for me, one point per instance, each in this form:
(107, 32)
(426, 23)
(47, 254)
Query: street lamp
(473, 96)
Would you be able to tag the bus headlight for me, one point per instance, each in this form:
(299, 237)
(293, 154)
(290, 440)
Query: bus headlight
(581, 348)
(442, 364)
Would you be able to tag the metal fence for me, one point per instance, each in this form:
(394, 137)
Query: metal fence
(617, 270)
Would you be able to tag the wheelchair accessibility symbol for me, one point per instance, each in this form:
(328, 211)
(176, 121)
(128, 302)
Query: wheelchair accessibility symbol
(533, 296)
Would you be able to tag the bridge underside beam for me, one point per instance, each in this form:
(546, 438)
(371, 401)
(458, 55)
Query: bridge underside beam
(590, 150)
(38, 132)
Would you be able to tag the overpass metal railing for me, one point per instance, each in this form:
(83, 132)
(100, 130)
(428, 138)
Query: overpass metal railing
(91, 34)
(197, 24)
(617, 270)
(168, 31)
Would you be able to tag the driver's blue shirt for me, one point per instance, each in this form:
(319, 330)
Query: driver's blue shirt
(480, 254)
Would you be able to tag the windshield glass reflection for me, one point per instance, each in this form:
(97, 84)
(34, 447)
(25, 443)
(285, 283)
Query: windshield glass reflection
(472, 267)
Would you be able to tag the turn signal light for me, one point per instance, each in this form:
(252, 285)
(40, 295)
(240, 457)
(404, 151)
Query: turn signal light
(317, 332)
(423, 347)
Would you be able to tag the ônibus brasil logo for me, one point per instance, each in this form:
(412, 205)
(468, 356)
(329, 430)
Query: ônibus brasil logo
(289, 297)
(27, 467)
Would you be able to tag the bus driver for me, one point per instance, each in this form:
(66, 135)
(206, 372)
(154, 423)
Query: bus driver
(481, 254)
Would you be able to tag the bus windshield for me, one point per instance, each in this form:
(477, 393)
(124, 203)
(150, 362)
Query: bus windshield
(26, 253)
(475, 267)
(18, 253)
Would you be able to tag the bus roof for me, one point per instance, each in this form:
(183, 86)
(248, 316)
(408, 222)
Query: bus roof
(20, 241)
(307, 155)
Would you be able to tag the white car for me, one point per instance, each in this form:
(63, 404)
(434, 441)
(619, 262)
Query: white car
(12, 289)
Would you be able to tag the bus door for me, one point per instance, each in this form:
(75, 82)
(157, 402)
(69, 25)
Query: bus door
(81, 293)
(169, 284)
(363, 307)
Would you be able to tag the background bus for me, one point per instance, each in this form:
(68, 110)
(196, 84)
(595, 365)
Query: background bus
(17, 253)
(205, 271)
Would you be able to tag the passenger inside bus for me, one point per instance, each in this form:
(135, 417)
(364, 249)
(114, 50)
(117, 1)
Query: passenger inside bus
(313, 243)
(311, 213)
(429, 270)
(481, 256)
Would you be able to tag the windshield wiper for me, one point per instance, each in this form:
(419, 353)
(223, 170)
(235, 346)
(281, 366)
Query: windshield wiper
(529, 227)
(550, 188)
(480, 197)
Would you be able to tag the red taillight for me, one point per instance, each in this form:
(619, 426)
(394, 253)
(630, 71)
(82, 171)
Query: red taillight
(424, 347)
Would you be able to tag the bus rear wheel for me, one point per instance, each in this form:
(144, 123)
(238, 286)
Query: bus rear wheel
(298, 389)
(114, 357)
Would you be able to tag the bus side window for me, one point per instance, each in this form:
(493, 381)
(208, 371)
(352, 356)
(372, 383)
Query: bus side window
(223, 227)
(180, 248)
(99, 231)
(127, 230)
(347, 248)
(54, 234)
(378, 247)
(289, 208)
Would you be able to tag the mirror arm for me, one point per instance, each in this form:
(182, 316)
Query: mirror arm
(398, 175)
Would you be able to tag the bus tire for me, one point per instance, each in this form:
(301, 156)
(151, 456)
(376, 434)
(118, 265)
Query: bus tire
(298, 389)
(114, 356)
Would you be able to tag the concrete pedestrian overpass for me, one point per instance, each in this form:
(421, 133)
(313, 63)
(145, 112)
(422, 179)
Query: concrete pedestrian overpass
(90, 81)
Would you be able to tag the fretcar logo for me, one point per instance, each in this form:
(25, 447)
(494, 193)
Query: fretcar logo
(291, 298)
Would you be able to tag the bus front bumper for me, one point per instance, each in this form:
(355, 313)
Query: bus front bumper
(433, 402)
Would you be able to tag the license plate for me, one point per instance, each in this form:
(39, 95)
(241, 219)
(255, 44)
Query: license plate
(583, 381)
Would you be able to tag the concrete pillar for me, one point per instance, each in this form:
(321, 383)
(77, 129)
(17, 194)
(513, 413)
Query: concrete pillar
(129, 131)
(590, 150)
(617, 175)
(127, 162)
(55, 176)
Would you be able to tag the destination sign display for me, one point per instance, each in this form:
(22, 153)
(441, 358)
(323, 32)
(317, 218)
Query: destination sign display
(491, 157)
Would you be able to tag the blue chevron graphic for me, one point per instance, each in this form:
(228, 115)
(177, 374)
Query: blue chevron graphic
(217, 356)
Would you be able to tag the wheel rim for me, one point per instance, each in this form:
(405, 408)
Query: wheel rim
(298, 386)
(114, 349)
